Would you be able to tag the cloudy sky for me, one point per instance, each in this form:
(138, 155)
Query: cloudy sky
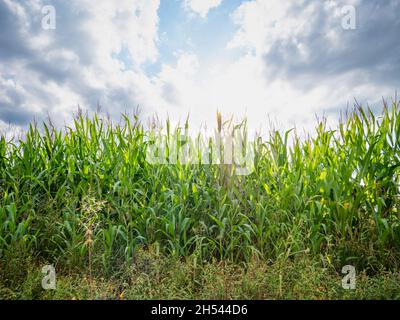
(264, 59)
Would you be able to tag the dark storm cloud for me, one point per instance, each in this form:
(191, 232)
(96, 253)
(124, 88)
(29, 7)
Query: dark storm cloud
(11, 43)
(373, 48)
(14, 110)
(19, 59)
(35, 66)
(12, 115)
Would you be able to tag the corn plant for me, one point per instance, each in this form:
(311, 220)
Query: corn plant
(89, 189)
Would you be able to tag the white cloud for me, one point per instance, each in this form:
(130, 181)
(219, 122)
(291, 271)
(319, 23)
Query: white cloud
(54, 71)
(296, 62)
(283, 74)
(202, 7)
(238, 89)
(132, 24)
(263, 23)
(311, 64)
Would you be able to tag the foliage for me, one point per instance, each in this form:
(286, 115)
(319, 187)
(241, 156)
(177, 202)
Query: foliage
(333, 195)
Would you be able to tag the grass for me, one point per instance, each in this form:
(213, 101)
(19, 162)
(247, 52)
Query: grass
(117, 226)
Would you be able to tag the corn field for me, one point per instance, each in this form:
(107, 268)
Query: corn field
(85, 196)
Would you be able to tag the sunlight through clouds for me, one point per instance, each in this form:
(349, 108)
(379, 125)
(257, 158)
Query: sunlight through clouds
(280, 59)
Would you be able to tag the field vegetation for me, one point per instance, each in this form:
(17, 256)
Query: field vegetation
(115, 226)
